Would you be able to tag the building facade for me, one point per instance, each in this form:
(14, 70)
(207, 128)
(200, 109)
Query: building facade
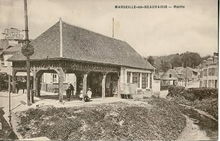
(209, 72)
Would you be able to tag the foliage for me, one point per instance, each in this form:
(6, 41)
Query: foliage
(150, 59)
(3, 81)
(165, 65)
(190, 59)
(205, 99)
(187, 59)
(116, 121)
(176, 61)
(193, 94)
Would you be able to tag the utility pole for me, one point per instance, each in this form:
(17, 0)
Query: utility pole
(9, 98)
(27, 50)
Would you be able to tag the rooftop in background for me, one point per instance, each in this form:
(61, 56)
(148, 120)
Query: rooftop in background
(213, 60)
(83, 45)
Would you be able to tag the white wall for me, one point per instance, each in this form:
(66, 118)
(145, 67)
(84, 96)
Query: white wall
(123, 78)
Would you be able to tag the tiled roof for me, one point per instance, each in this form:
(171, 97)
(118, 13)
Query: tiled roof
(83, 45)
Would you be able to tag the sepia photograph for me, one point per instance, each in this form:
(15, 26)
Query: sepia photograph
(81, 70)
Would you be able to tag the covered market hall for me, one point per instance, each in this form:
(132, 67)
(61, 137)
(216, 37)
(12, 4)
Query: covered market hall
(106, 65)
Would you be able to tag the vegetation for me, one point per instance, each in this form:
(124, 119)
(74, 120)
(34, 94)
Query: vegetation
(205, 99)
(187, 59)
(3, 81)
(150, 59)
(158, 119)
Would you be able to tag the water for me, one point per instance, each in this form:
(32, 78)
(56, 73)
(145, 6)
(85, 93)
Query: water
(199, 126)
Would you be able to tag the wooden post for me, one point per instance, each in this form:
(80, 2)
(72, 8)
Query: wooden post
(85, 83)
(78, 80)
(103, 85)
(119, 90)
(61, 76)
(34, 81)
(37, 83)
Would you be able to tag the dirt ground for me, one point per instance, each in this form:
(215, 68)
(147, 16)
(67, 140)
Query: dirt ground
(150, 119)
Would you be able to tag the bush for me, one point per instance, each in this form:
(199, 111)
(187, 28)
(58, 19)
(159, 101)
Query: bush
(192, 94)
(175, 91)
(3, 81)
(205, 99)
(202, 93)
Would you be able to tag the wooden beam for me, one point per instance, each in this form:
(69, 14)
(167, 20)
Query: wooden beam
(61, 76)
(103, 84)
(85, 83)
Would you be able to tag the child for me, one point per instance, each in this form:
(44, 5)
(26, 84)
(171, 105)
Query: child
(81, 95)
(89, 93)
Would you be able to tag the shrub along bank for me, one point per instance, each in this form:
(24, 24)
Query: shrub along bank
(161, 120)
(205, 99)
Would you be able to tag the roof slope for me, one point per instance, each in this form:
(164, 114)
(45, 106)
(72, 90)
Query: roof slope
(170, 74)
(83, 45)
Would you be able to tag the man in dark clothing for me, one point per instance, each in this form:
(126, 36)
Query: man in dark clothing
(68, 92)
(71, 89)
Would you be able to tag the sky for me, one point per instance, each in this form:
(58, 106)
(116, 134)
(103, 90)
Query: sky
(159, 31)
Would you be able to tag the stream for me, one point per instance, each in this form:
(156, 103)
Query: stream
(199, 125)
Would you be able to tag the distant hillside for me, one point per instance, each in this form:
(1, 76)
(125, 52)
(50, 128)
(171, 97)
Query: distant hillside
(163, 63)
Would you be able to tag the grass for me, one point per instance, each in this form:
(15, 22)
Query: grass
(116, 121)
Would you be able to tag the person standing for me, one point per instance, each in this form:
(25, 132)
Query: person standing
(71, 89)
(68, 92)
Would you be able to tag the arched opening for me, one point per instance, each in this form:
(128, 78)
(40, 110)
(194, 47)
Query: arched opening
(48, 84)
(19, 80)
(94, 81)
(111, 84)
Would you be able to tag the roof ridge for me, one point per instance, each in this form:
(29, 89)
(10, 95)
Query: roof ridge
(92, 31)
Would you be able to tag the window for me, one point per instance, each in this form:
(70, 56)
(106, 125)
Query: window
(201, 73)
(205, 83)
(150, 80)
(170, 75)
(136, 78)
(128, 77)
(205, 72)
(209, 83)
(55, 80)
(211, 71)
(147, 75)
(144, 80)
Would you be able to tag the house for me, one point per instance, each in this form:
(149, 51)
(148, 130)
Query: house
(108, 66)
(209, 72)
(188, 74)
(170, 77)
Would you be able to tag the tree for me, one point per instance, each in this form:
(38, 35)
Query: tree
(165, 65)
(150, 59)
(190, 59)
(176, 61)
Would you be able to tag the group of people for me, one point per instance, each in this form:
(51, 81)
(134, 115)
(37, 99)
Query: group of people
(84, 97)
